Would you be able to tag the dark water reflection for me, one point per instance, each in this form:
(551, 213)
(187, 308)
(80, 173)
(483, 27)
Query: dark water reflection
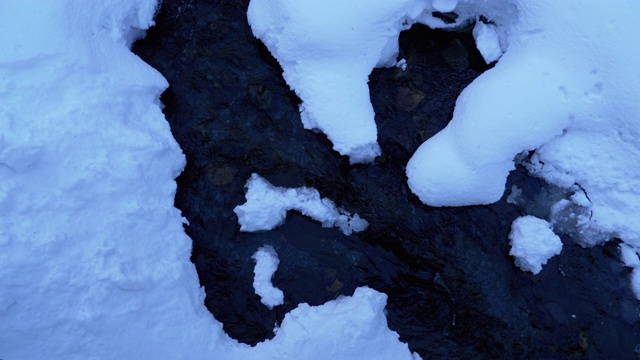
(453, 289)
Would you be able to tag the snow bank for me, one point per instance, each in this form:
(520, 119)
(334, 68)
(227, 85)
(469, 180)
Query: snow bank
(327, 50)
(566, 88)
(533, 243)
(267, 262)
(95, 262)
(267, 206)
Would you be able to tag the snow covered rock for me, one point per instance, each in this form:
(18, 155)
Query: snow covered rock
(564, 87)
(267, 206)
(267, 262)
(533, 243)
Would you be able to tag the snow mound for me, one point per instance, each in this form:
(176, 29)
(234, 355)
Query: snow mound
(327, 50)
(533, 243)
(578, 110)
(487, 41)
(267, 206)
(267, 262)
(357, 330)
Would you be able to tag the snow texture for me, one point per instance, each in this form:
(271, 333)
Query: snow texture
(357, 330)
(566, 88)
(267, 262)
(267, 206)
(487, 41)
(533, 243)
(95, 262)
(327, 49)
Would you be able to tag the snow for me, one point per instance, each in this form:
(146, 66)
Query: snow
(487, 41)
(444, 5)
(578, 110)
(327, 50)
(563, 88)
(358, 331)
(267, 205)
(95, 259)
(533, 243)
(95, 262)
(629, 256)
(267, 262)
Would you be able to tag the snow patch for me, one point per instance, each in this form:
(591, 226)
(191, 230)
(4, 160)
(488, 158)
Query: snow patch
(487, 41)
(267, 262)
(533, 243)
(267, 206)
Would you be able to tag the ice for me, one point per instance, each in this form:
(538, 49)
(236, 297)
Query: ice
(267, 206)
(533, 243)
(267, 262)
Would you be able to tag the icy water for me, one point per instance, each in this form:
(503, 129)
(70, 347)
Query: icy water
(454, 291)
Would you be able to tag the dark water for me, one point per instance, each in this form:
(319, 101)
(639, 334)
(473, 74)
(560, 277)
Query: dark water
(454, 291)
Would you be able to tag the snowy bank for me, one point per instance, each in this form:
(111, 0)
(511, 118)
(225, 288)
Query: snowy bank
(327, 50)
(95, 260)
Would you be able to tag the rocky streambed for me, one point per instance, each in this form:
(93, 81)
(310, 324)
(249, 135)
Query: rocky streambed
(454, 291)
